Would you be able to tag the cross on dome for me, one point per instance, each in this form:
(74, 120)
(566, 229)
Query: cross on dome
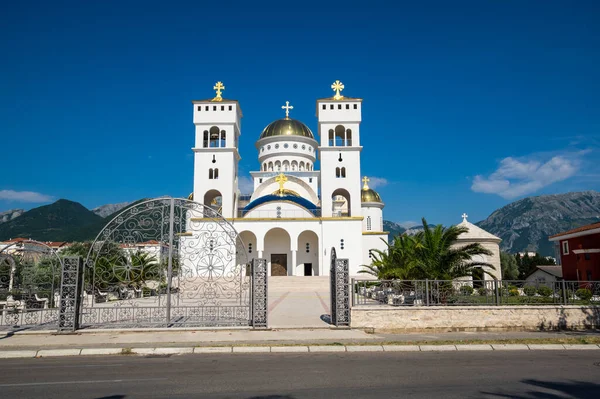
(464, 216)
(218, 88)
(366, 180)
(287, 108)
(337, 86)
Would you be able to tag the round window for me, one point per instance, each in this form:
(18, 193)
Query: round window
(295, 146)
(304, 147)
(276, 146)
(285, 145)
(262, 149)
(268, 147)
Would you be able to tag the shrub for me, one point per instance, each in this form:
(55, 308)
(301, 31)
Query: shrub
(513, 291)
(529, 290)
(584, 294)
(482, 291)
(466, 290)
(544, 291)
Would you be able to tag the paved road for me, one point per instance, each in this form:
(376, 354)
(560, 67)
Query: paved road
(518, 374)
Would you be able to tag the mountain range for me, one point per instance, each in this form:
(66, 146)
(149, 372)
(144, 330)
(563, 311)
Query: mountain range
(523, 225)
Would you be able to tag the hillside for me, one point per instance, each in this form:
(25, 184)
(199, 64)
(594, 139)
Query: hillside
(9, 215)
(55, 222)
(525, 225)
(394, 228)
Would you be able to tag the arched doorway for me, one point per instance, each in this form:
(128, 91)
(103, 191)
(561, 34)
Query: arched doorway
(307, 257)
(278, 252)
(341, 205)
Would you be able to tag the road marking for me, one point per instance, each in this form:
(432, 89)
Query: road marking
(32, 384)
(66, 367)
(278, 301)
(325, 307)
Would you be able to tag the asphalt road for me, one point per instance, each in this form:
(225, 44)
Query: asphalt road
(500, 374)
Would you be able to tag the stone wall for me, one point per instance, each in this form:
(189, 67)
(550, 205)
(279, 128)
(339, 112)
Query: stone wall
(476, 318)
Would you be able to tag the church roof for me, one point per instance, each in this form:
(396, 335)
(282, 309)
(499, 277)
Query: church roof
(303, 202)
(475, 233)
(368, 194)
(286, 127)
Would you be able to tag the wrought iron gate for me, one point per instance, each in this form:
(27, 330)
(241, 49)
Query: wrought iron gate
(340, 291)
(166, 262)
(30, 276)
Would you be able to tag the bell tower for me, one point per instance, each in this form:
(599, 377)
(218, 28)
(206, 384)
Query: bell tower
(216, 155)
(339, 120)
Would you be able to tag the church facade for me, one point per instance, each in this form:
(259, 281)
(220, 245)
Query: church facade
(296, 213)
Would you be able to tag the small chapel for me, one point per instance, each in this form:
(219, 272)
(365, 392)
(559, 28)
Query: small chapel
(296, 213)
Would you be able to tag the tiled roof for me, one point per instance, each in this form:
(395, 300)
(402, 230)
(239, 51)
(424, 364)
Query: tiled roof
(578, 230)
(553, 270)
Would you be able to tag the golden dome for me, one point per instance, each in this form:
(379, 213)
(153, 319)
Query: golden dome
(286, 127)
(368, 194)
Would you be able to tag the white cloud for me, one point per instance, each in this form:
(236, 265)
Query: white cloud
(515, 178)
(246, 184)
(377, 182)
(24, 196)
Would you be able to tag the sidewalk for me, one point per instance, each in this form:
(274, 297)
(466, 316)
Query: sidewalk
(24, 340)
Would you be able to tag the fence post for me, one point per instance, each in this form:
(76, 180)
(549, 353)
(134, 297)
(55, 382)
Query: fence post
(564, 292)
(497, 292)
(259, 311)
(70, 294)
(353, 291)
(426, 292)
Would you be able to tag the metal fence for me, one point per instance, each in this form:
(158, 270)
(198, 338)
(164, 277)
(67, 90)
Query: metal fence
(473, 293)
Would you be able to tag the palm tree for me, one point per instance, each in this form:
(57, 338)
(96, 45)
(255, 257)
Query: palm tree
(396, 262)
(439, 258)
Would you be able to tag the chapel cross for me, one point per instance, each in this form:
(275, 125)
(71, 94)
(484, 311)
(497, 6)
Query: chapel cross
(464, 216)
(281, 179)
(218, 87)
(337, 86)
(365, 181)
(287, 108)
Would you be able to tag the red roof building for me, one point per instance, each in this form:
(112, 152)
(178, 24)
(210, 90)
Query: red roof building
(580, 252)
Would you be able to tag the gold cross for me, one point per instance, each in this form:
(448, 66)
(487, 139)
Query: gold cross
(365, 181)
(287, 108)
(337, 86)
(281, 179)
(218, 87)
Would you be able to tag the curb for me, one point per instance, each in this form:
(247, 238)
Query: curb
(30, 354)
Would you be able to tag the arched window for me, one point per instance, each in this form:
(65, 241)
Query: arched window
(344, 172)
(210, 174)
(214, 136)
(341, 206)
(223, 138)
(270, 166)
(294, 165)
(286, 165)
(348, 137)
(331, 138)
(216, 173)
(301, 167)
(205, 139)
(277, 166)
(264, 167)
(337, 172)
(368, 223)
(340, 136)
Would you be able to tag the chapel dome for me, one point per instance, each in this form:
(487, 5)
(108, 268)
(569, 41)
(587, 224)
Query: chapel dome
(286, 127)
(368, 194)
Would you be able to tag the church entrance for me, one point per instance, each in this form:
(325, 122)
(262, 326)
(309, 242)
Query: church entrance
(278, 264)
(308, 269)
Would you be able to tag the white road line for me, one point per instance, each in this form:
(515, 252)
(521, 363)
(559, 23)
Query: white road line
(66, 367)
(32, 384)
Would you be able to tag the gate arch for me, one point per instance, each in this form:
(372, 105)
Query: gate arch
(166, 262)
(30, 276)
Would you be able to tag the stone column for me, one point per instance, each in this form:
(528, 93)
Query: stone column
(292, 270)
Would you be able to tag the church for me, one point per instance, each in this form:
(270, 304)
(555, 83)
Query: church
(296, 213)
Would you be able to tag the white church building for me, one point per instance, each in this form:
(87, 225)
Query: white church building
(296, 213)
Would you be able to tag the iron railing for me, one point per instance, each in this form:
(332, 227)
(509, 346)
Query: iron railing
(473, 293)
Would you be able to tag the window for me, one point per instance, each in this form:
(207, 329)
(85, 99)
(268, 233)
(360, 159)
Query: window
(295, 146)
(214, 136)
(344, 172)
(339, 106)
(222, 108)
(230, 108)
(355, 106)
(216, 173)
(223, 138)
(205, 141)
(565, 245)
(324, 106)
(337, 172)
(285, 145)
(368, 223)
(276, 146)
(586, 256)
(268, 147)
(206, 108)
(303, 147)
(310, 179)
(199, 107)
(347, 106)
(214, 107)
(260, 180)
(211, 174)
(331, 106)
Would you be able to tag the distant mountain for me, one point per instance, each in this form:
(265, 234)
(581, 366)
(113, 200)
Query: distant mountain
(9, 215)
(59, 221)
(394, 228)
(109, 209)
(525, 225)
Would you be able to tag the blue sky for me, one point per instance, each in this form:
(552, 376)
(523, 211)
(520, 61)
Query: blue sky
(468, 105)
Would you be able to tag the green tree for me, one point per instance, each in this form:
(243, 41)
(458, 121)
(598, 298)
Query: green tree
(509, 266)
(398, 261)
(438, 257)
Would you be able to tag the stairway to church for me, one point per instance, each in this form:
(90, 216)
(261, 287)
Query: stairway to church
(298, 302)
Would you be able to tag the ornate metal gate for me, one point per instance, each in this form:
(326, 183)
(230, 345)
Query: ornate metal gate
(166, 262)
(340, 291)
(30, 276)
